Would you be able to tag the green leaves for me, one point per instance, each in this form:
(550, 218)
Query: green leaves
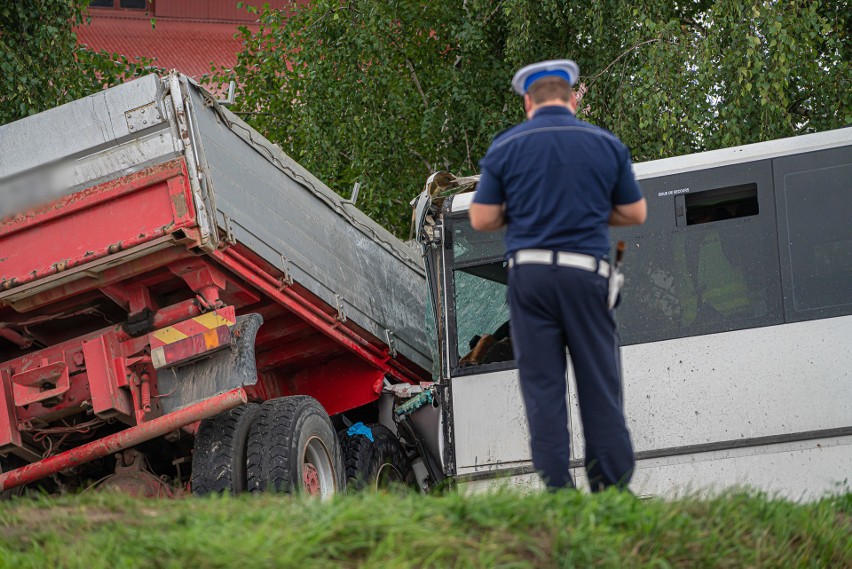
(42, 65)
(371, 92)
(384, 93)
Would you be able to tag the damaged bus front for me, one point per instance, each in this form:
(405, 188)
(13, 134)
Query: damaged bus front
(737, 302)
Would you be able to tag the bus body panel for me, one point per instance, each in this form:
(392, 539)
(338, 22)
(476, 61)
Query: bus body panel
(802, 470)
(739, 385)
(799, 470)
(735, 323)
(689, 392)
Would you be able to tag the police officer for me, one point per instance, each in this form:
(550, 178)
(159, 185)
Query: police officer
(557, 184)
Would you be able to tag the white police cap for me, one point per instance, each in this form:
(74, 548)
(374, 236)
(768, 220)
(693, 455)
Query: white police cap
(564, 68)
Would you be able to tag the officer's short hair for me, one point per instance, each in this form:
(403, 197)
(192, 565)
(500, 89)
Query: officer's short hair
(548, 89)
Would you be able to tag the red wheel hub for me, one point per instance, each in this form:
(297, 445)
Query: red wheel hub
(310, 478)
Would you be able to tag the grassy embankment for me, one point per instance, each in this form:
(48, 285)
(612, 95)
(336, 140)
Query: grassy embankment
(502, 530)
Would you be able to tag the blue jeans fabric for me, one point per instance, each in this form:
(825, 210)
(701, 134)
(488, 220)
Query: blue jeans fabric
(551, 308)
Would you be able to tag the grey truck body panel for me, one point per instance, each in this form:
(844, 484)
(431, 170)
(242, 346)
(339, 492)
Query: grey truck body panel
(243, 185)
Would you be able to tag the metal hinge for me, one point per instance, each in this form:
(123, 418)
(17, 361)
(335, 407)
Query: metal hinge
(339, 301)
(287, 279)
(391, 342)
(229, 230)
(434, 234)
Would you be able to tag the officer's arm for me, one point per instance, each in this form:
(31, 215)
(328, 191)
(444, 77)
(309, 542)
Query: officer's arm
(486, 217)
(629, 214)
(629, 207)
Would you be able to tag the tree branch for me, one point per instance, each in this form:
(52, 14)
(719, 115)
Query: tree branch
(493, 12)
(417, 83)
(467, 145)
(321, 18)
(614, 61)
(694, 24)
(422, 159)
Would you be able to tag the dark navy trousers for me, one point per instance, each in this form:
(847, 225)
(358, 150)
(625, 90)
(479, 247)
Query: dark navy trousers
(551, 308)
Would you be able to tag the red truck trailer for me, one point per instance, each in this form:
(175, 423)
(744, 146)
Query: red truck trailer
(182, 306)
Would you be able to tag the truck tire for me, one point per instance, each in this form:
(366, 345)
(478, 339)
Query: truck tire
(292, 448)
(377, 464)
(219, 456)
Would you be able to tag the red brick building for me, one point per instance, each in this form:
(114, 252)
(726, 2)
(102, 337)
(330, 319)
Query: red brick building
(187, 35)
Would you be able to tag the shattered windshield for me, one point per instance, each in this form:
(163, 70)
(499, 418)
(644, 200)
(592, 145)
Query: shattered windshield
(479, 296)
(471, 246)
(482, 316)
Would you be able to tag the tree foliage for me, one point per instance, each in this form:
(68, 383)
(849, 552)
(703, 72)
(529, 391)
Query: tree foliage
(41, 65)
(385, 92)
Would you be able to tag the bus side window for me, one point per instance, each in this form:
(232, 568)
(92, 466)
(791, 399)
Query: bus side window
(709, 268)
(818, 206)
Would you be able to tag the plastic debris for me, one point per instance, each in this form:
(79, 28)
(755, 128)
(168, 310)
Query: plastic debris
(360, 428)
(406, 390)
(415, 403)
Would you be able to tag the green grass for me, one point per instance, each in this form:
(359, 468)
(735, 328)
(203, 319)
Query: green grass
(389, 530)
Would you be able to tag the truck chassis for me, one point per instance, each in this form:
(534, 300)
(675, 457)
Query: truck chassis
(126, 321)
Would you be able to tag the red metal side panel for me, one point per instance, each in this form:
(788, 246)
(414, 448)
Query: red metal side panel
(107, 397)
(95, 222)
(9, 433)
(340, 385)
(378, 356)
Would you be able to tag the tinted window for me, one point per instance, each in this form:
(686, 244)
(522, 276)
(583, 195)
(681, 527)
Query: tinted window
(475, 246)
(707, 259)
(815, 214)
(719, 204)
(129, 4)
(690, 282)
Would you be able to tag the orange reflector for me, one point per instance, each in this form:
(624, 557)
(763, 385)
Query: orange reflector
(192, 347)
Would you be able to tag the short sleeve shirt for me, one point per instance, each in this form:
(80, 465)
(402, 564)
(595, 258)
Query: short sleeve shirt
(559, 178)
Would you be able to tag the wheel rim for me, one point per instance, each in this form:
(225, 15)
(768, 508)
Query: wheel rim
(317, 469)
(388, 474)
(310, 478)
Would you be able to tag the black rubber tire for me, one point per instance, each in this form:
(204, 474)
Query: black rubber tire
(377, 464)
(219, 456)
(289, 437)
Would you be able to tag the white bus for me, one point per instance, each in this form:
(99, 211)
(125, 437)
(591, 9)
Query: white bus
(736, 326)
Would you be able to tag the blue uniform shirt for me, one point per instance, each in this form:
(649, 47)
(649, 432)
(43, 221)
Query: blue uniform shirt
(559, 178)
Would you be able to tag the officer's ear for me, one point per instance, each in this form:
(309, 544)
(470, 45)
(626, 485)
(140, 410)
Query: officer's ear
(528, 105)
(572, 101)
